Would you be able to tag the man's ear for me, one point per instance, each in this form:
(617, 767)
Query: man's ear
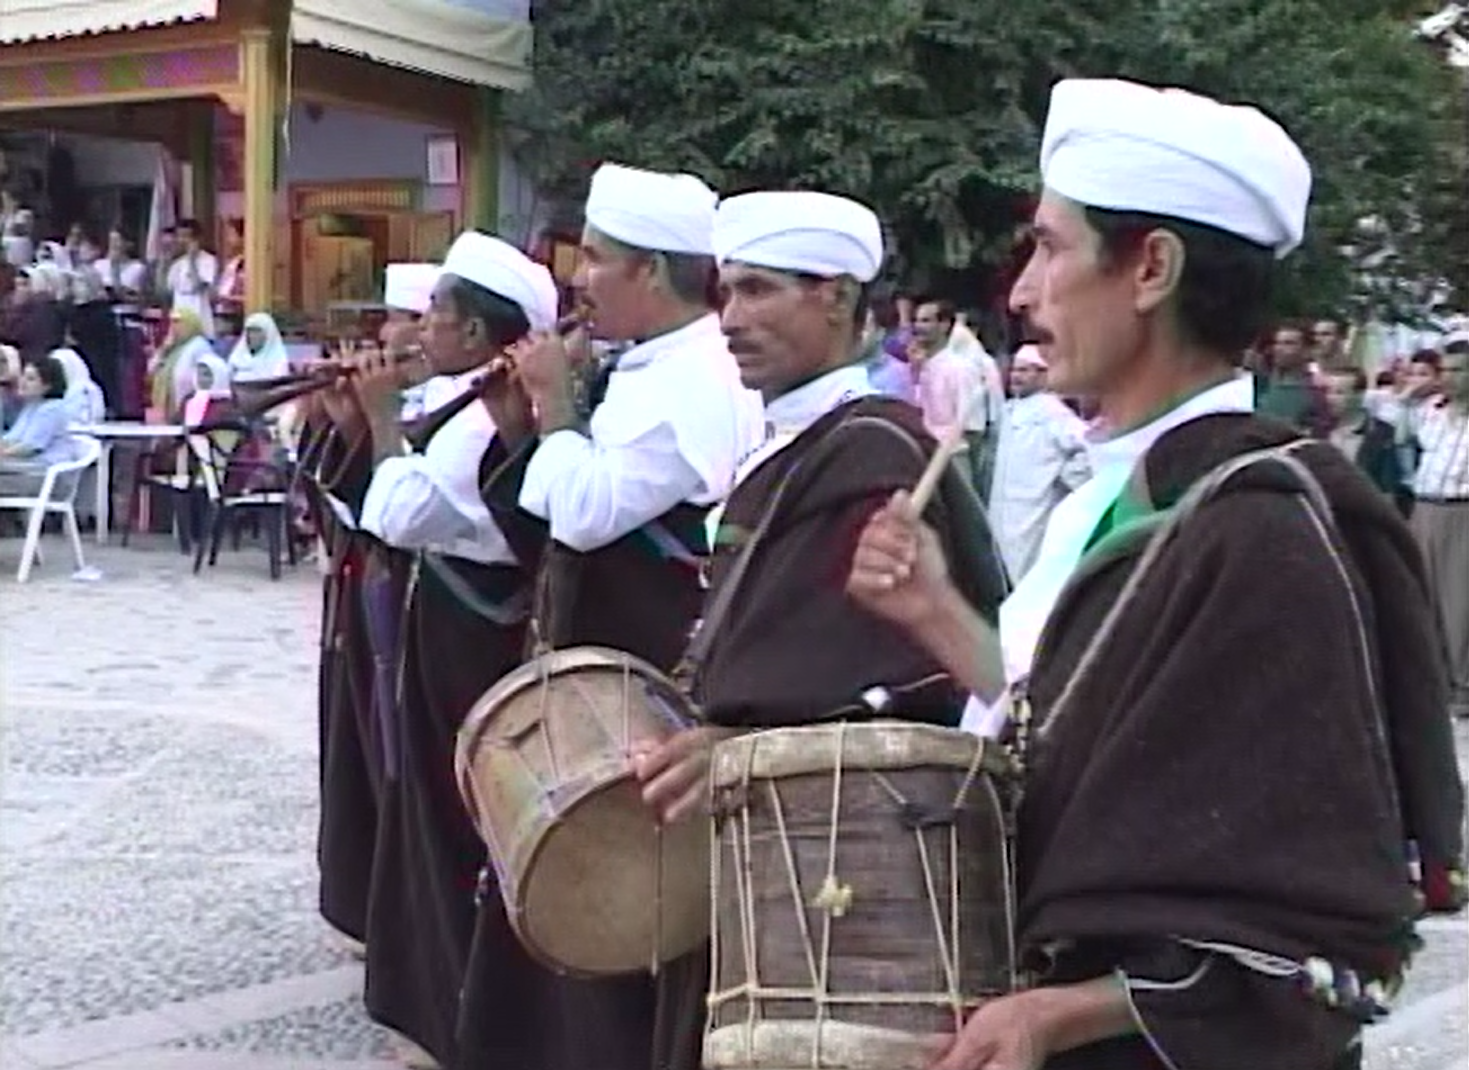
(1159, 269)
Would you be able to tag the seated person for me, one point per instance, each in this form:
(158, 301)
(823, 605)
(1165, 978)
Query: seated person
(40, 435)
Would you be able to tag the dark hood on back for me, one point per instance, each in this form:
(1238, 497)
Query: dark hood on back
(1412, 671)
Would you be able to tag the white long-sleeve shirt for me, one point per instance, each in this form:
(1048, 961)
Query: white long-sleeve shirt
(431, 500)
(672, 428)
(1042, 457)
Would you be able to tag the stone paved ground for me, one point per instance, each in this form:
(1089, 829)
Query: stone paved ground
(157, 825)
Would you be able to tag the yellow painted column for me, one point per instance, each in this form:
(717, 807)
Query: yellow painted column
(481, 178)
(261, 114)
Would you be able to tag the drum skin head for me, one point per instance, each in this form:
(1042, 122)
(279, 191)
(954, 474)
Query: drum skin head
(590, 901)
(592, 885)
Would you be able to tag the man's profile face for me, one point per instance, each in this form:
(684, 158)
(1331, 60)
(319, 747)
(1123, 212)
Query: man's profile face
(613, 287)
(1080, 310)
(781, 328)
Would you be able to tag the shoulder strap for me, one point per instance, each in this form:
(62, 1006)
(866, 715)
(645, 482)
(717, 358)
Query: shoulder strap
(807, 468)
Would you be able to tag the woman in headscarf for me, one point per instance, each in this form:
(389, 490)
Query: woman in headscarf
(260, 353)
(211, 385)
(172, 368)
(84, 397)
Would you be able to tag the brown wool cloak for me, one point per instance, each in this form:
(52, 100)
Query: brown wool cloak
(1226, 772)
(461, 628)
(794, 648)
(349, 768)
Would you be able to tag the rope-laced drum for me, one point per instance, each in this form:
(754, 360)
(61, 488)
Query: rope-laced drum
(863, 897)
(593, 886)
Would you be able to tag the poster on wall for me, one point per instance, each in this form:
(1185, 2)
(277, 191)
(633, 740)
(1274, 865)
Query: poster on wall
(443, 160)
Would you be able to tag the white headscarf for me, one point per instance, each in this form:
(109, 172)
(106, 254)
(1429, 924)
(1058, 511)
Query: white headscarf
(83, 395)
(271, 361)
(220, 388)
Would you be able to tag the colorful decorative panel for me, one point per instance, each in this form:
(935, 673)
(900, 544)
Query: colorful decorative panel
(184, 68)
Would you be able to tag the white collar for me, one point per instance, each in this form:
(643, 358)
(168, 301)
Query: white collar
(798, 409)
(1124, 451)
(701, 331)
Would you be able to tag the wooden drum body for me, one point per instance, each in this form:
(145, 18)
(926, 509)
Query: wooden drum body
(593, 886)
(863, 897)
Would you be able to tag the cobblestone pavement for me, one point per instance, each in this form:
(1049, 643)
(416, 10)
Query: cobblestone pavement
(157, 827)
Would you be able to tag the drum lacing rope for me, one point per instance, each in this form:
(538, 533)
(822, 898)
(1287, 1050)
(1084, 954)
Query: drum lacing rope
(833, 898)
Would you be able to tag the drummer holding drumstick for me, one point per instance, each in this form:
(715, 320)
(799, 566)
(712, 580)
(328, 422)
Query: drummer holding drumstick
(1238, 754)
(791, 648)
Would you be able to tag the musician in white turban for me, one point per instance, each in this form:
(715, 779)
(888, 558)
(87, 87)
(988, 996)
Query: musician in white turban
(787, 647)
(1236, 743)
(615, 472)
(462, 623)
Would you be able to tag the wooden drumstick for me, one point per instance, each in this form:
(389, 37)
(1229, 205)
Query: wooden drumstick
(949, 445)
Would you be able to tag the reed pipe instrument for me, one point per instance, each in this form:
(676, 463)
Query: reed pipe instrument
(257, 397)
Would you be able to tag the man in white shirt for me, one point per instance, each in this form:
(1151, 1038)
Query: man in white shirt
(1042, 457)
(192, 277)
(462, 627)
(1224, 634)
(608, 494)
(668, 423)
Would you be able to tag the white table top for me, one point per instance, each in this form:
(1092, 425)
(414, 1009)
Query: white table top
(130, 429)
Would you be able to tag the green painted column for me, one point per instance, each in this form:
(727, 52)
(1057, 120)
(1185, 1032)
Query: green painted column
(481, 192)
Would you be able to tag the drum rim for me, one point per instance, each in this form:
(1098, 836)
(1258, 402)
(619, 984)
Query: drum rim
(738, 760)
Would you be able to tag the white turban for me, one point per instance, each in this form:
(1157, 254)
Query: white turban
(1029, 356)
(408, 287)
(813, 233)
(650, 210)
(503, 269)
(1133, 148)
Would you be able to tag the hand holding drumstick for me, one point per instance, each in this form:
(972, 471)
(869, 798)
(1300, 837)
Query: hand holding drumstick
(899, 573)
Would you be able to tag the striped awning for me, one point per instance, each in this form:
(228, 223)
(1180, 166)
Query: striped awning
(32, 20)
(482, 42)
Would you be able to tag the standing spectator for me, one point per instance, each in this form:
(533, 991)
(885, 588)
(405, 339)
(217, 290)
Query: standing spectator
(1289, 393)
(1441, 512)
(1042, 458)
(193, 276)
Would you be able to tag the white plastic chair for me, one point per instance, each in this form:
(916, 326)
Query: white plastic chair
(88, 449)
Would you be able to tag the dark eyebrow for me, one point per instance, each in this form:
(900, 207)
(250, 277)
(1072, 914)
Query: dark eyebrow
(1039, 231)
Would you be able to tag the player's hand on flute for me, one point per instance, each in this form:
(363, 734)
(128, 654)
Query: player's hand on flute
(674, 772)
(339, 400)
(898, 569)
(377, 385)
(506, 400)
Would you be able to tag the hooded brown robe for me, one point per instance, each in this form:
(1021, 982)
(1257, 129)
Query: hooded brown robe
(350, 769)
(461, 627)
(794, 649)
(639, 594)
(1226, 774)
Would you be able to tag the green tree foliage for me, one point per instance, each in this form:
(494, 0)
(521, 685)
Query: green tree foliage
(931, 110)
